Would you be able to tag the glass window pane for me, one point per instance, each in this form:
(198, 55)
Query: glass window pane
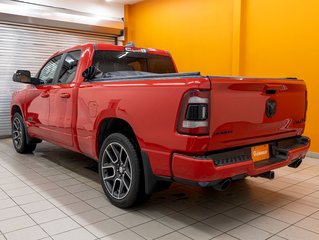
(69, 67)
(115, 61)
(48, 71)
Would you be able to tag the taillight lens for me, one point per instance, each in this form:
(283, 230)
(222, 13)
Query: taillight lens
(194, 113)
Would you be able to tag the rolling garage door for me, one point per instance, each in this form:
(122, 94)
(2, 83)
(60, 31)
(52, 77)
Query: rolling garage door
(23, 47)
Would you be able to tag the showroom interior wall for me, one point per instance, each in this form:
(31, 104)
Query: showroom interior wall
(191, 30)
(236, 37)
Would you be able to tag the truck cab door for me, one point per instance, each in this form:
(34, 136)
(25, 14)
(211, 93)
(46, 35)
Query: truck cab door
(38, 100)
(63, 100)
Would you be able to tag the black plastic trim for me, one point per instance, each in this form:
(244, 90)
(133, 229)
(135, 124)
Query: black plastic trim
(207, 184)
(150, 180)
(278, 152)
(280, 149)
(28, 138)
(156, 76)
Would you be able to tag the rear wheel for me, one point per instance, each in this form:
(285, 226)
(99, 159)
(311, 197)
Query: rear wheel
(121, 171)
(19, 135)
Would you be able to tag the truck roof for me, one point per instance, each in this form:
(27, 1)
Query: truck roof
(111, 47)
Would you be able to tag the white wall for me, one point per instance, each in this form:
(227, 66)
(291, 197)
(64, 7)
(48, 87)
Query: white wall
(90, 12)
(96, 7)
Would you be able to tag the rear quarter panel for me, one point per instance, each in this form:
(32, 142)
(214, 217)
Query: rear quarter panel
(151, 107)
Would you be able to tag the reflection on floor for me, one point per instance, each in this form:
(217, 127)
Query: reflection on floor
(55, 194)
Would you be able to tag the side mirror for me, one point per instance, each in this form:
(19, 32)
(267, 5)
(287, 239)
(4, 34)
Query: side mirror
(24, 76)
(91, 72)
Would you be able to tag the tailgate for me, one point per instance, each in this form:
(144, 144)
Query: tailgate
(248, 111)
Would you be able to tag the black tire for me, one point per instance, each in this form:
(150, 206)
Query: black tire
(19, 138)
(119, 165)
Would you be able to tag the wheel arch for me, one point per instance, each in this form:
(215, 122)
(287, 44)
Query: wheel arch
(117, 125)
(16, 109)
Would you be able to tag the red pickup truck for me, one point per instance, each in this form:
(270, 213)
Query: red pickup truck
(148, 125)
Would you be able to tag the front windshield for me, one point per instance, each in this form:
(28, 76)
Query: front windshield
(122, 61)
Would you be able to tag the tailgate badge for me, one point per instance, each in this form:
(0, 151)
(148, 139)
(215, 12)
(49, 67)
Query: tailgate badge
(271, 107)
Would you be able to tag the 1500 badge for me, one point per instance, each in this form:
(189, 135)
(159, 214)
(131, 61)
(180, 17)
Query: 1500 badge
(223, 132)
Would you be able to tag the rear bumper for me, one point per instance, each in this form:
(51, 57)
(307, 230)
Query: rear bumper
(236, 162)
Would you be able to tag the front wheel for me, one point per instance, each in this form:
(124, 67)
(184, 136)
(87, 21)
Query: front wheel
(121, 171)
(19, 135)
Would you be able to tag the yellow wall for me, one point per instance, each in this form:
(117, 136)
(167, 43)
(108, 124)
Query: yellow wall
(266, 38)
(281, 39)
(180, 26)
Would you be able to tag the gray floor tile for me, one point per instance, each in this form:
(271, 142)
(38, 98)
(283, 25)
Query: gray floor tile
(104, 228)
(310, 224)
(176, 221)
(132, 219)
(247, 232)
(126, 234)
(16, 192)
(11, 212)
(64, 200)
(222, 222)
(68, 203)
(200, 231)
(16, 223)
(75, 208)
(224, 237)
(59, 226)
(285, 215)
(47, 215)
(113, 211)
(198, 213)
(29, 198)
(268, 224)
(89, 217)
(152, 230)
(76, 234)
(241, 214)
(30, 233)
(297, 233)
(98, 202)
(37, 206)
(174, 236)
(7, 203)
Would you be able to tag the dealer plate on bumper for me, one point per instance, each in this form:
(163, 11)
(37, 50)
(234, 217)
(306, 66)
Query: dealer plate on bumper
(259, 153)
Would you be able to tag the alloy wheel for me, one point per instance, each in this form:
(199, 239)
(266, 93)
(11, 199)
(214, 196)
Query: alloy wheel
(17, 133)
(116, 170)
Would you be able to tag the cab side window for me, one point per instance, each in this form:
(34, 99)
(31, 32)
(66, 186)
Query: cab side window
(69, 67)
(48, 72)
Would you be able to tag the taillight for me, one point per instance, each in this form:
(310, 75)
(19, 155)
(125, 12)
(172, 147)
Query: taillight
(194, 113)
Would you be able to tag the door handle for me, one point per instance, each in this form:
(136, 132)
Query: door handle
(65, 95)
(45, 95)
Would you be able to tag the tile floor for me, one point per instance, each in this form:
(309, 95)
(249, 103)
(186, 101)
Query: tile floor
(55, 194)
